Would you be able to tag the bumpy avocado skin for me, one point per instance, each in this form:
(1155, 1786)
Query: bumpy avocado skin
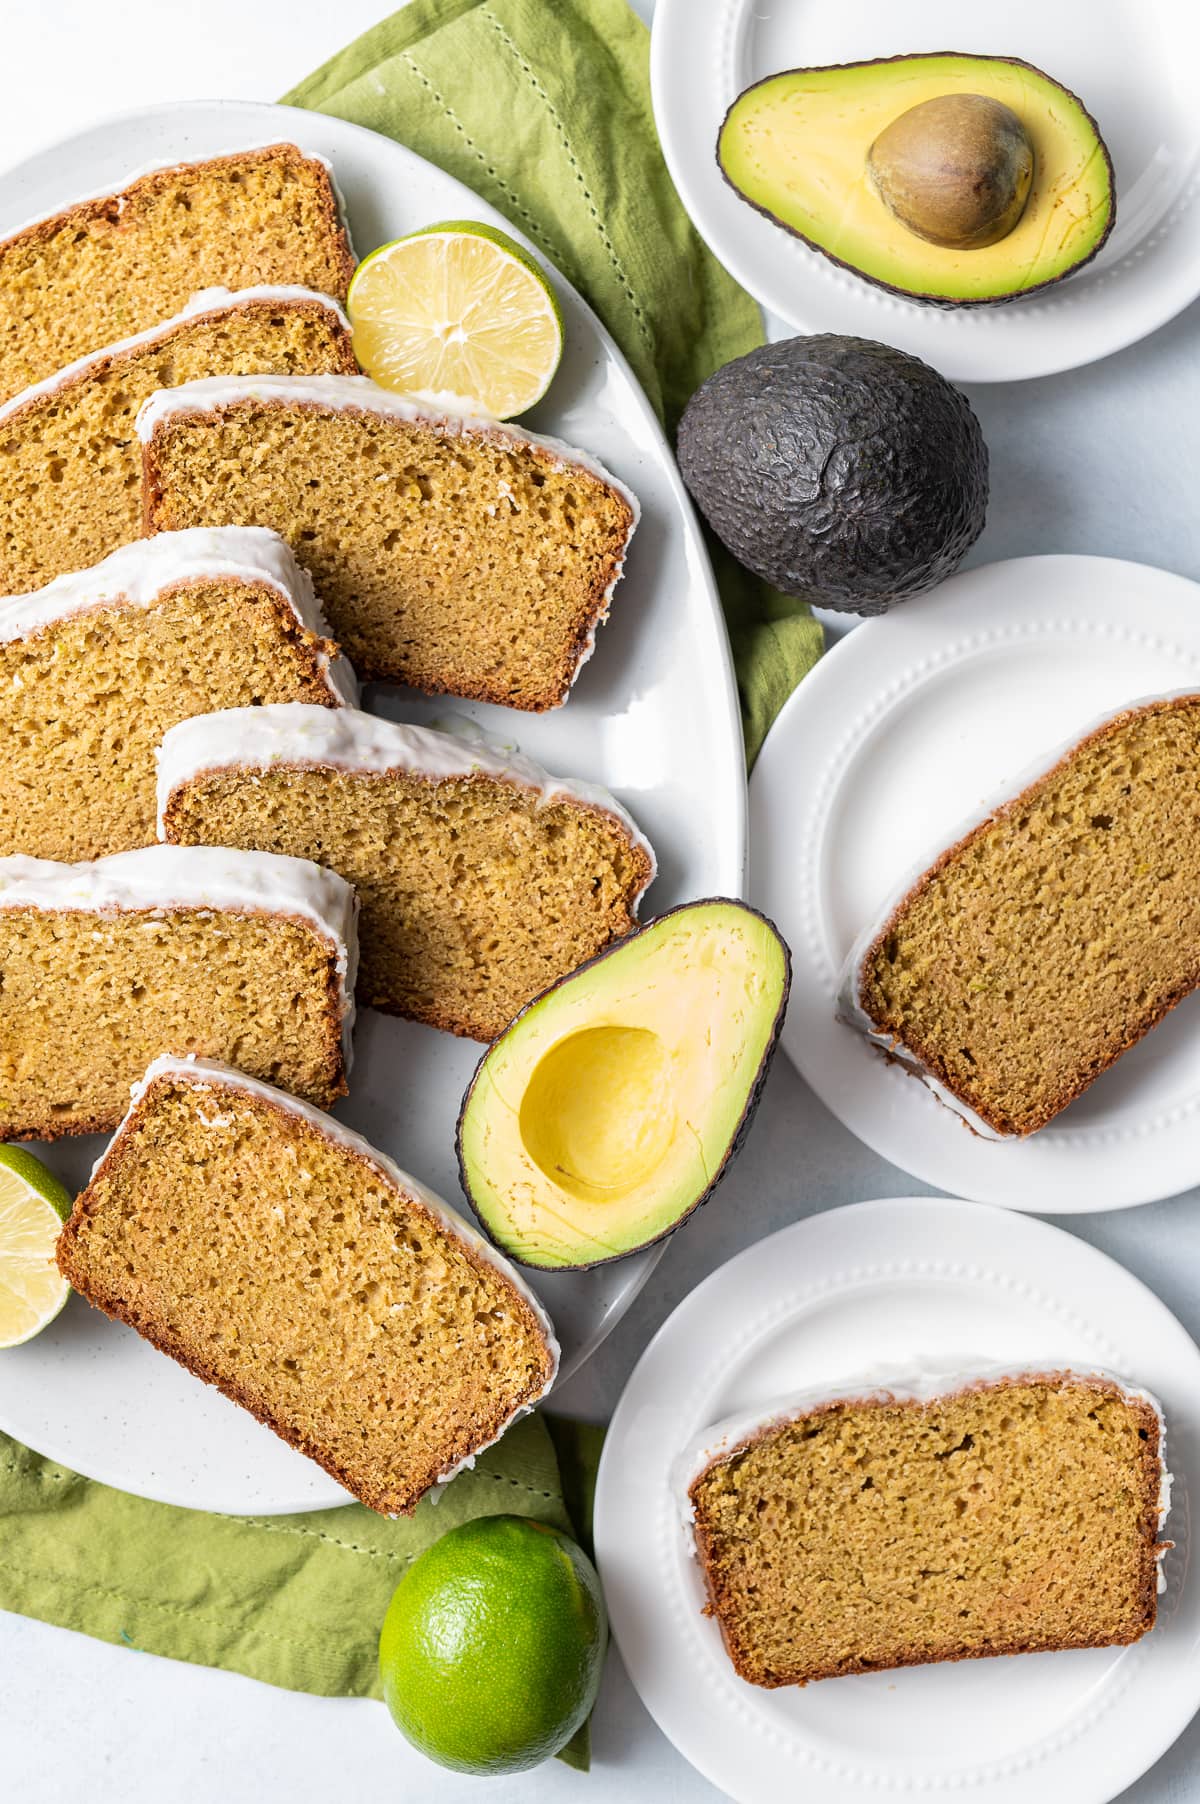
(676, 1210)
(837, 469)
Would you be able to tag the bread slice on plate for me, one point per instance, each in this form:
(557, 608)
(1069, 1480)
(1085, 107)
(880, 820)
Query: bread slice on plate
(1053, 934)
(72, 472)
(167, 949)
(452, 553)
(117, 262)
(482, 879)
(205, 619)
(335, 1297)
(930, 1518)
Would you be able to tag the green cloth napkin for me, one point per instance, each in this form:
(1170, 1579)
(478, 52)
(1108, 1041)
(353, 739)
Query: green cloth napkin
(543, 108)
(295, 1600)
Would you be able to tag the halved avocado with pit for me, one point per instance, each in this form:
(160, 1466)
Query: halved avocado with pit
(798, 146)
(612, 1106)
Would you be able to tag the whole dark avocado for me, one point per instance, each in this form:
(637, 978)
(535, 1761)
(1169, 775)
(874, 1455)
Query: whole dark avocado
(837, 469)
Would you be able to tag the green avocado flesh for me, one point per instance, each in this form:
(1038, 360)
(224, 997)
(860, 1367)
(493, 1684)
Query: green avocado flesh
(797, 147)
(610, 1108)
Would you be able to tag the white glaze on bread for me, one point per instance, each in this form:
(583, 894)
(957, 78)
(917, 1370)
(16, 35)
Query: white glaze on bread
(205, 303)
(163, 878)
(137, 575)
(139, 174)
(915, 1384)
(304, 734)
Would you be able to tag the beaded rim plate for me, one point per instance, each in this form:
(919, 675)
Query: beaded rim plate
(908, 725)
(654, 717)
(1128, 60)
(882, 1286)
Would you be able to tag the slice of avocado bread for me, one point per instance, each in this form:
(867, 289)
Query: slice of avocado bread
(954, 179)
(612, 1106)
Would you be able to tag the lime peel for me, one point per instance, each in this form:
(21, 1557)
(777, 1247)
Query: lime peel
(493, 1646)
(33, 1206)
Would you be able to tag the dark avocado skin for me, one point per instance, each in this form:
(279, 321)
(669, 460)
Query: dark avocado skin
(837, 469)
(743, 1128)
(910, 294)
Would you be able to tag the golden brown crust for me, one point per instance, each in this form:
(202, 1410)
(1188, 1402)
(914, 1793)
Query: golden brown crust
(928, 1056)
(554, 693)
(1150, 1471)
(170, 1341)
(110, 206)
(311, 646)
(101, 362)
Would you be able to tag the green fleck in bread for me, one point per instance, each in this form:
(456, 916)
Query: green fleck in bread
(1004, 1515)
(71, 460)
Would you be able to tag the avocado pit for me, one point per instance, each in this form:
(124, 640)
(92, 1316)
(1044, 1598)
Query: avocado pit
(956, 170)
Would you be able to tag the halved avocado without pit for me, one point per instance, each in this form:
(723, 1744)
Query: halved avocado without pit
(914, 172)
(613, 1105)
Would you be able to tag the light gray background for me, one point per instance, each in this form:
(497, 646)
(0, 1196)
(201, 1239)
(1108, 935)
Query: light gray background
(1103, 460)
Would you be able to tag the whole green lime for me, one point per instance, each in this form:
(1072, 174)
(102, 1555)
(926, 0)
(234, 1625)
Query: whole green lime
(493, 1644)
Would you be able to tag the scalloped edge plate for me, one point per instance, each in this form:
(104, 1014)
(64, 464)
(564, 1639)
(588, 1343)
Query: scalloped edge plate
(1129, 60)
(881, 1286)
(908, 725)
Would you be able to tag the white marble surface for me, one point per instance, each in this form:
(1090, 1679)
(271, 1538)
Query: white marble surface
(1102, 460)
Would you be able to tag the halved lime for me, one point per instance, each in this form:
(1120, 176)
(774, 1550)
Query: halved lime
(457, 310)
(33, 1207)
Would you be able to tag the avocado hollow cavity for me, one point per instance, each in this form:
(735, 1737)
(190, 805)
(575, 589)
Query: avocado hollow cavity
(956, 170)
(599, 1114)
(612, 1106)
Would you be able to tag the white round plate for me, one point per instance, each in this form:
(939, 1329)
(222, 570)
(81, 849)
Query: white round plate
(903, 730)
(1129, 60)
(653, 716)
(883, 1286)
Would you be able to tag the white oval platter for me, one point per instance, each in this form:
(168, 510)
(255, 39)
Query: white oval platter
(654, 717)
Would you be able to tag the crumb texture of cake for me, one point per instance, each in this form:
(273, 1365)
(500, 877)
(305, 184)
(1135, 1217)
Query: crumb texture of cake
(207, 619)
(1050, 939)
(1014, 1515)
(451, 553)
(116, 263)
(277, 1255)
(72, 464)
(482, 879)
(223, 954)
